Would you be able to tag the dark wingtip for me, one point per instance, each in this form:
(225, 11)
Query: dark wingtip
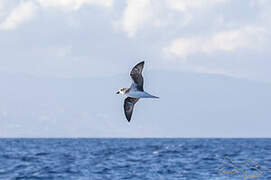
(142, 62)
(128, 119)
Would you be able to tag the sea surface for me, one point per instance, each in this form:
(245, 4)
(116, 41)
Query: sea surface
(102, 159)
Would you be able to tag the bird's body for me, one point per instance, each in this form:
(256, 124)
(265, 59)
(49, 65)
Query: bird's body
(139, 94)
(135, 92)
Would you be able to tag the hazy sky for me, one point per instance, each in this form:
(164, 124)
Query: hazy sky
(73, 39)
(63, 38)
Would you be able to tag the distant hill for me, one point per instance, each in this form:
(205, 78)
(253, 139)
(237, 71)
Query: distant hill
(190, 105)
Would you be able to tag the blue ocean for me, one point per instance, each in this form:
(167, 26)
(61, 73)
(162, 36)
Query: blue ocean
(102, 159)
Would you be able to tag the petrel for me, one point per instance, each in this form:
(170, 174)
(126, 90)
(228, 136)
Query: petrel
(135, 92)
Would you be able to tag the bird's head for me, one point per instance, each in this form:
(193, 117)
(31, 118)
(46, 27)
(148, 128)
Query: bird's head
(122, 91)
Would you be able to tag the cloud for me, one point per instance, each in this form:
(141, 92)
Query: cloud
(61, 51)
(248, 37)
(26, 10)
(74, 4)
(20, 14)
(139, 14)
(136, 14)
(185, 5)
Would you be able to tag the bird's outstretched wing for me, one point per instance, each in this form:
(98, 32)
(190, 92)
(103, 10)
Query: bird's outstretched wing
(136, 75)
(129, 107)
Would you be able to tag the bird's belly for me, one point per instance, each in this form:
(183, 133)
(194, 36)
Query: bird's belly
(137, 94)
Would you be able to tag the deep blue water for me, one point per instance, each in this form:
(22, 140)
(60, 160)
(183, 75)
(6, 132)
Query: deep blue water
(101, 159)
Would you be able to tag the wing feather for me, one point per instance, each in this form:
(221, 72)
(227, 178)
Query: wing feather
(136, 75)
(129, 107)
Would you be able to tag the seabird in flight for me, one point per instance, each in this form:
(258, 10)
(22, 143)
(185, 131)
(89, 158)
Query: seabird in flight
(135, 92)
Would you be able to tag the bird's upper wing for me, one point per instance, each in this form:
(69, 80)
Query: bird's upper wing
(136, 75)
(129, 106)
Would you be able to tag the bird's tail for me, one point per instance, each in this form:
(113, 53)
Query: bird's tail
(155, 97)
(151, 96)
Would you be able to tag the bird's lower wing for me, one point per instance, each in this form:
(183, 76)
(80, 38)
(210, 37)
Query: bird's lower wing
(129, 107)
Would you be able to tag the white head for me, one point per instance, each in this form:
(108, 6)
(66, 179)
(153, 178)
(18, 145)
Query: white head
(122, 91)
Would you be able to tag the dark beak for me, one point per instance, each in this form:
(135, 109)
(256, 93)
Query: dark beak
(118, 92)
